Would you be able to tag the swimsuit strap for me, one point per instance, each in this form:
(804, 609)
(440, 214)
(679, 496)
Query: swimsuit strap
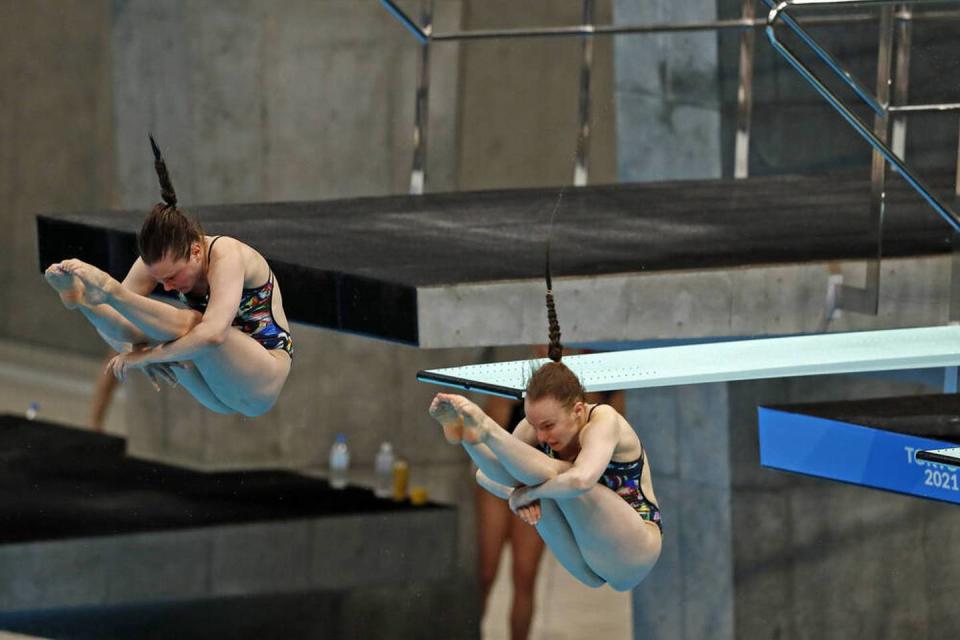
(210, 247)
(590, 415)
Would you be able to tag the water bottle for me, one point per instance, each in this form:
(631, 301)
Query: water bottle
(339, 462)
(31, 413)
(383, 471)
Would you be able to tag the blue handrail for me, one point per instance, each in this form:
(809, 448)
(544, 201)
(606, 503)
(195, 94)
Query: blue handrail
(406, 21)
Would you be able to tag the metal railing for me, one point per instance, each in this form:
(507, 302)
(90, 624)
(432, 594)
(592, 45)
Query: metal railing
(889, 119)
(866, 299)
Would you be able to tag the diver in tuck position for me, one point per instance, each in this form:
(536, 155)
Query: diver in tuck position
(228, 344)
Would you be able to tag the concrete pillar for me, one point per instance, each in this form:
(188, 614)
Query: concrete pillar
(667, 94)
(685, 433)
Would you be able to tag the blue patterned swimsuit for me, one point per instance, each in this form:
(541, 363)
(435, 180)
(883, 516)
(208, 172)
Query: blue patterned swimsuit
(254, 315)
(623, 478)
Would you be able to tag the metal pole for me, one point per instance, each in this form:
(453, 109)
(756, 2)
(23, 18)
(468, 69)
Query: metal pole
(418, 174)
(580, 168)
(925, 108)
(955, 261)
(748, 38)
(956, 188)
(866, 300)
(608, 30)
(903, 40)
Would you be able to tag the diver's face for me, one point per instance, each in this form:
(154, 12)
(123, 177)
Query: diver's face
(180, 274)
(556, 426)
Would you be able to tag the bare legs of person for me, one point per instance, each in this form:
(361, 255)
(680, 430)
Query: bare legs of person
(103, 390)
(596, 535)
(497, 525)
(236, 376)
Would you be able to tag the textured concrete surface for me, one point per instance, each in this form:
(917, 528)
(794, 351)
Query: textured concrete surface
(690, 593)
(753, 301)
(251, 559)
(315, 101)
(57, 151)
(518, 98)
(667, 94)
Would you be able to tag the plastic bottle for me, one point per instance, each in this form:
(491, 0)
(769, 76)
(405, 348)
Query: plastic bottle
(32, 410)
(401, 476)
(339, 462)
(383, 471)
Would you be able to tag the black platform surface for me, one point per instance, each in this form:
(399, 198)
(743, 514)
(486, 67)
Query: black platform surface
(57, 483)
(931, 416)
(356, 265)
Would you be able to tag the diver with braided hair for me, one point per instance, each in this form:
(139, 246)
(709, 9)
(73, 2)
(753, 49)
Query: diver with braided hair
(575, 471)
(227, 343)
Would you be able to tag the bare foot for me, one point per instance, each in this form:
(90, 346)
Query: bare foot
(66, 284)
(443, 412)
(98, 285)
(460, 419)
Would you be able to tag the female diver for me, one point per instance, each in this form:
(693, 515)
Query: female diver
(575, 471)
(227, 346)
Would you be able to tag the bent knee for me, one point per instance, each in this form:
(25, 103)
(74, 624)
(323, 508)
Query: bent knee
(487, 576)
(190, 319)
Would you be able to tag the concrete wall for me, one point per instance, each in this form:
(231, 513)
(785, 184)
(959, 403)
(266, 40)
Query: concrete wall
(518, 113)
(254, 104)
(57, 151)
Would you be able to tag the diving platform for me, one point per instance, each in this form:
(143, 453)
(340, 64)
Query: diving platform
(668, 260)
(819, 354)
(872, 443)
(89, 529)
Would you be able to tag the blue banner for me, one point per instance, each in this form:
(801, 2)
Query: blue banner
(856, 454)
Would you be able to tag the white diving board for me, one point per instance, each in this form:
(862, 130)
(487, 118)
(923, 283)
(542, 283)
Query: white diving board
(886, 350)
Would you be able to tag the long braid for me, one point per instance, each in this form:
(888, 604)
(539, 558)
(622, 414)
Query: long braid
(555, 348)
(166, 186)
(166, 230)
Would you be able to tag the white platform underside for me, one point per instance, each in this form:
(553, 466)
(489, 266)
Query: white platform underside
(887, 350)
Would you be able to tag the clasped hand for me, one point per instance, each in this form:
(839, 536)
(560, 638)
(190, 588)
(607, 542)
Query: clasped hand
(156, 372)
(525, 505)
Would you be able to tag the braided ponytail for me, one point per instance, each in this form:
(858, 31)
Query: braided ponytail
(166, 185)
(166, 231)
(554, 347)
(554, 379)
